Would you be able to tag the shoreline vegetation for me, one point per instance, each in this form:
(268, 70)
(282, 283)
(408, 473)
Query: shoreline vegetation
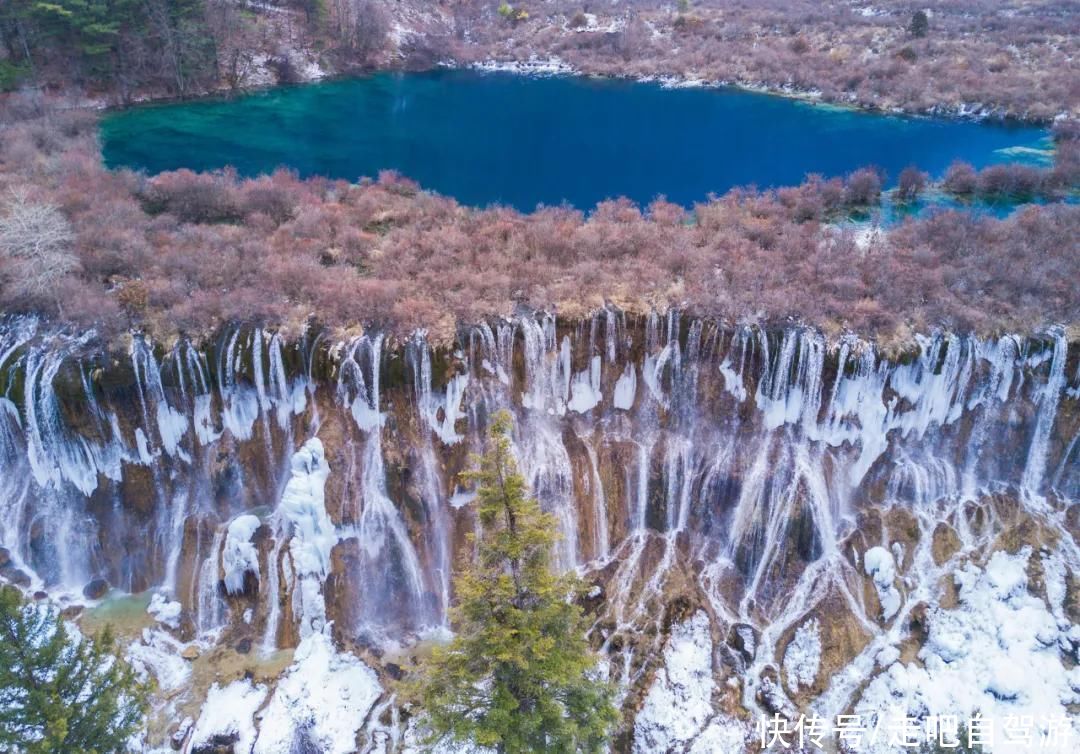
(184, 253)
(978, 59)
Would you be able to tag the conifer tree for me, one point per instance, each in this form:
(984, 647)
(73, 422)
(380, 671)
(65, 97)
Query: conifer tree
(60, 692)
(920, 24)
(518, 675)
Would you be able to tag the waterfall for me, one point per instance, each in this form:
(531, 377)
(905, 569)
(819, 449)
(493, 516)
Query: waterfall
(1048, 398)
(439, 417)
(742, 468)
(389, 570)
(210, 607)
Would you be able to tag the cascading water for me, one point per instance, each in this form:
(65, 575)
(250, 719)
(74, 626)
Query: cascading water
(743, 470)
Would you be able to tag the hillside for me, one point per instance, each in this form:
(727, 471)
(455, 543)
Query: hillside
(1014, 59)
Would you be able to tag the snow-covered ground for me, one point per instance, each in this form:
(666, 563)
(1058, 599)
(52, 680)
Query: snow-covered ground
(996, 654)
(678, 711)
(324, 697)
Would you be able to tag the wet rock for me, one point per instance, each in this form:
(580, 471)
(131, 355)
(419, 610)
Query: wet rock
(190, 652)
(176, 740)
(5, 557)
(15, 576)
(918, 622)
(39, 596)
(903, 527)
(244, 646)
(593, 599)
(219, 743)
(96, 589)
(678, 610)
(137, 488)
(743, 639)
(394, 671)
(803, 534)
(769, 694)
(71, 612)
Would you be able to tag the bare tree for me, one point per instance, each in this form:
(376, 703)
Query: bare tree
(35, 246)
(360, 25)
(910, 184)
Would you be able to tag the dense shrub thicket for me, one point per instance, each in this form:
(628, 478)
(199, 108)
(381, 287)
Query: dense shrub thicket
(184, 252)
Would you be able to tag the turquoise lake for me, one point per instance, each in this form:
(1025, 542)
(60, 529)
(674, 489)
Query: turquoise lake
(487, 138)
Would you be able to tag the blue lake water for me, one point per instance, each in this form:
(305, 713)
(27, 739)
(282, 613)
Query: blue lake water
(489, 138)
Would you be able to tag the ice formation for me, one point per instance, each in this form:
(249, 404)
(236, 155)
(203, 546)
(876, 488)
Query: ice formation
(303, 512)
(881, 567)
(325, 696)
(239, 556)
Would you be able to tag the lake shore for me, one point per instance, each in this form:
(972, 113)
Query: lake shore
(579, 129)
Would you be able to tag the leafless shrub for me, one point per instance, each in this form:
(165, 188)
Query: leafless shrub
(35, 245)
(863, 187)
(960, 179)
(910, 184)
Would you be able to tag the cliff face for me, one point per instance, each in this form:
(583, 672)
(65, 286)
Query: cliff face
(795, 514)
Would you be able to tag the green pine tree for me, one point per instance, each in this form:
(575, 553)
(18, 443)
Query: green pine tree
(62, 693)
(920, 24)
(518, 675)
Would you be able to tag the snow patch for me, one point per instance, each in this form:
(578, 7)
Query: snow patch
(157, 654)
(996, 653)
(680, 700)
(324, 693)
(229, 714)
(239, 555)
(802, 658)
(723, 734)
(880, 566)
(534, 66)
(165, 611)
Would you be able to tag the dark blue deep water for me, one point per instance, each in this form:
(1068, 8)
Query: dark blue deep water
(500, 138)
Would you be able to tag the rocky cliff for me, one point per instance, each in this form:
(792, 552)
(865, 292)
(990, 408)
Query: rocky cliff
(771, 521)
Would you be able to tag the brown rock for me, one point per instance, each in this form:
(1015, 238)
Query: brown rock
(842, 639)
(903, 528)
(71, 612)
(190, 652)
(96, 589)
(945, 544)
(743, 639)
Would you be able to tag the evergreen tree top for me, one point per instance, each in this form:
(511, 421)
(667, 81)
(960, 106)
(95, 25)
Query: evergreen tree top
(518, 675)
(61, 692)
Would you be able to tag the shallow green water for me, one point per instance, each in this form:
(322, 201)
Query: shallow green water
(500, 138)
